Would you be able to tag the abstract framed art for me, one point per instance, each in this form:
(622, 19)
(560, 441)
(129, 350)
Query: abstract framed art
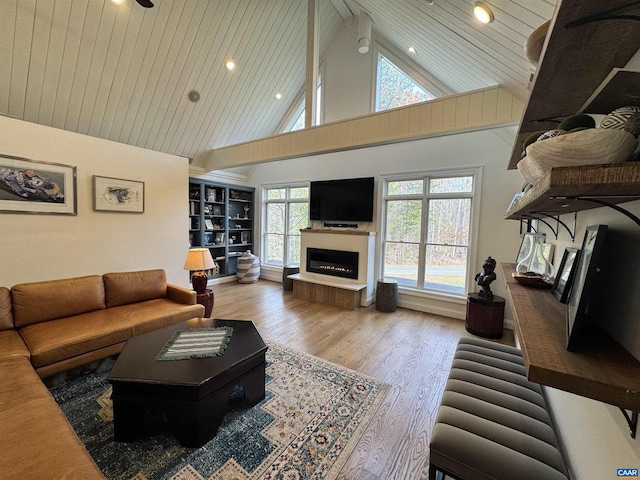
(117, 195)
(30, 186)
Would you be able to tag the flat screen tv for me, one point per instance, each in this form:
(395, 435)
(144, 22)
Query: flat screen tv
(347, 200)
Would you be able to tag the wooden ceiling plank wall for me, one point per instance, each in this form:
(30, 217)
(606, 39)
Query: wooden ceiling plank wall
(123, 72)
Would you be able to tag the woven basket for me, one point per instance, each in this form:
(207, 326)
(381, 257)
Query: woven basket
(586, 147)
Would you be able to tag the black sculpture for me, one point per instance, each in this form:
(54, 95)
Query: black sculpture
(485, 278)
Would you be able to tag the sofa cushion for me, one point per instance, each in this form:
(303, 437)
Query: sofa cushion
(38, 441)
(65, 338)
(12, 345)
(42, 301)
(6, 319)
(124, 288)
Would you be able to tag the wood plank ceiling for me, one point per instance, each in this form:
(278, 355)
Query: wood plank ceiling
(123, 72)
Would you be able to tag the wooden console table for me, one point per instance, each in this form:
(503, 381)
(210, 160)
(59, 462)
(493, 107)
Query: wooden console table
(601, 369)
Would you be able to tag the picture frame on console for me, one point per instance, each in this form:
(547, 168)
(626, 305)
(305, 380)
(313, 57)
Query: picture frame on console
(584, 283)
(30, 186)
(564, 277)
(117, 195)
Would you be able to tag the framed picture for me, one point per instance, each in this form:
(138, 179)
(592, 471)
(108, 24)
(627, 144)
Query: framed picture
(528, 240)
(29, 186)
(208, 224)
(245, 237)
(208, 238)
(117, 195)
(219, 238)
(587, 269)
(564, 277)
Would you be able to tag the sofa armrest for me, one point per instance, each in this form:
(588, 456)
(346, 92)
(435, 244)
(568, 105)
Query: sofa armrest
(181, 294)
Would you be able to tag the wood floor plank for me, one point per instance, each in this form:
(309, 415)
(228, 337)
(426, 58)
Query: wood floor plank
(412, 351)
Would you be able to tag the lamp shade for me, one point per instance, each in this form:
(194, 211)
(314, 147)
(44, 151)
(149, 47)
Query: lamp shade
(198, 259)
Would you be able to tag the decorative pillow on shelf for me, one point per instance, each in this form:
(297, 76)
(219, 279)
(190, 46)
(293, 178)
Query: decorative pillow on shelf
(618, 118)
(584, 147)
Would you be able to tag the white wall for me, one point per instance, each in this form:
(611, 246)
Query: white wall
(347, 82)
(489, 149)
(43, 247)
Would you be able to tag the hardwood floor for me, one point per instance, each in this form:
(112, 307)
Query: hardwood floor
(410, 350)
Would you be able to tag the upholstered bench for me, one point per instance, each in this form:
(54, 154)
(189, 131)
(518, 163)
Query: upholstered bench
(492, 422)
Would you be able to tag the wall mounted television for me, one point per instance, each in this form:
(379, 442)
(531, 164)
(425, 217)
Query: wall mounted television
(345, 200)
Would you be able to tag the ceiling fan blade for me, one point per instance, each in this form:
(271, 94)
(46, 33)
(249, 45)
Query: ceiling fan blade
(145, 3)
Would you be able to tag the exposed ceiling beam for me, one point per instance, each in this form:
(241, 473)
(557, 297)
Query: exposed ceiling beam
(464, 112)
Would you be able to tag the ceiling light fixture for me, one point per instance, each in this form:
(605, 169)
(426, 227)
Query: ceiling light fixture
(117, 2)
(194, 96)
(482, 12)
(230, 64)
(278, 95)
(412, 49)
(364, 32)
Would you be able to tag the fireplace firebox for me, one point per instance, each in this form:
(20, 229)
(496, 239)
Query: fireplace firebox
(338, 263)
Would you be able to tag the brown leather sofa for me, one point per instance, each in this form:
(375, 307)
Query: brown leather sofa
(52, 326)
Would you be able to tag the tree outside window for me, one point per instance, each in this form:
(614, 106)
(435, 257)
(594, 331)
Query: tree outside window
(394, 88)
(287, 212)
(427, 232)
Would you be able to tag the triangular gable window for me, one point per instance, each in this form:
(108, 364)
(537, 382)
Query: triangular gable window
(394, 88)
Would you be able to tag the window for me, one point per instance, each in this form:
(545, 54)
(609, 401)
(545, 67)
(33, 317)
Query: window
(427, 231)
(296, 121)
(394, 88)
(287, 212)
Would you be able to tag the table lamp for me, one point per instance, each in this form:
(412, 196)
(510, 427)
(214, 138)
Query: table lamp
(198, 260)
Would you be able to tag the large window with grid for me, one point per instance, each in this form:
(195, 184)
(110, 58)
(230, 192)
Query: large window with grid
(427, 237)
(286, 213)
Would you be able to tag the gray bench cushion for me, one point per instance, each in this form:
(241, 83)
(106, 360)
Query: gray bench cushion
(492, 422)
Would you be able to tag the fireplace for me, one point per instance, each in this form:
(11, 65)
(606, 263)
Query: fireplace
(338, 263)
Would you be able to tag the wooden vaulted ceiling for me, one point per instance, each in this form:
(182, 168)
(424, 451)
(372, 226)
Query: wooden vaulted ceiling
(123, 72)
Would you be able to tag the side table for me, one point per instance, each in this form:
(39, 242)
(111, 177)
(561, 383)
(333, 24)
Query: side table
(387, 295)
(287, 283)
(485, 317)
(206, 300)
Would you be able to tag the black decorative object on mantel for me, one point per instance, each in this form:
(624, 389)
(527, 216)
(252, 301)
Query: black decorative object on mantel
(485, 278)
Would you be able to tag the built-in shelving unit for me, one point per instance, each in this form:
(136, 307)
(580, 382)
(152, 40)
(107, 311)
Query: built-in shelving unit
(221, 219)
(602, 369)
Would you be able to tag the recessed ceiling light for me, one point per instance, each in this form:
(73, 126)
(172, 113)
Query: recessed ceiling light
(412, 49)
(278, 95)
(230, 64)
(194, 96)
(482, 12)
(117, 2)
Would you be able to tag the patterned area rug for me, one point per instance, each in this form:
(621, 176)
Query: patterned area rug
(310, 421)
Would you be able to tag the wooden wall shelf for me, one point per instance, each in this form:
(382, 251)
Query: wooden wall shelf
(614, 183)
(601, 370)
(575, 61)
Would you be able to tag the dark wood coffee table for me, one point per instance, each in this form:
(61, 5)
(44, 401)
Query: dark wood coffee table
(192, 394)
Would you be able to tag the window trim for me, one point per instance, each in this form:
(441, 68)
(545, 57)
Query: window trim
(297, 106)
(410, 68)
(474, 224)
(265, 202)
